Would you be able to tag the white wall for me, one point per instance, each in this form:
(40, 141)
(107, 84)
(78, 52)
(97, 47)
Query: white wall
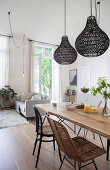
(43, 20)
(99, 67)
(17, 81)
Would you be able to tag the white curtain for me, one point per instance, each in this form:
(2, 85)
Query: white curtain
(4, 61)
(33, 67)
(56, 82)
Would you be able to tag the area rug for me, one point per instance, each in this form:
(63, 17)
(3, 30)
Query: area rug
(10, 118)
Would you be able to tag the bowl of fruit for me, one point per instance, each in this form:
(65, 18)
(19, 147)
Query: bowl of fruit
(84, 89)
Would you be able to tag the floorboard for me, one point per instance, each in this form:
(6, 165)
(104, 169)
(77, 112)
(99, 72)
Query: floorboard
(16, 145)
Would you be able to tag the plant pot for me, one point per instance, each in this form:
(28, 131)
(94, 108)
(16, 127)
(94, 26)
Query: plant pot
(6, 103)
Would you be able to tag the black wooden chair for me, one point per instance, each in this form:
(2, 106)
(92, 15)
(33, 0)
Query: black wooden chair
(42, 131)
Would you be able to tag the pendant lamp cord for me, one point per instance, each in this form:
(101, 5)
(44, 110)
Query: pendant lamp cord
(91, 7)
(95, 9)
(65, 16)
(12, 33)
(23, 59)
(98, 7)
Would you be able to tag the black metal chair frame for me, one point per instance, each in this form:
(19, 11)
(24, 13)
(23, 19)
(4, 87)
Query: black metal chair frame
(108, 141)
(85, 134)
(74, 165)
(64, 158)
(108, 146)
(40, 135)
(62, 121)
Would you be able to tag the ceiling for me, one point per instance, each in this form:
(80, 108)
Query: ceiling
(43, 20)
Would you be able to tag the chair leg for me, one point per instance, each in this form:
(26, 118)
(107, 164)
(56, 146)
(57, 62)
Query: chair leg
(74, 128)
(108, 145)
(94, 164)
(38, 152)
(94, 135)
(84, 133)
(74, 164)
(59, 151)
(54, 143)
(101, 141)
(79, 131)
(35, 145)
(62, 162)
(79, 166)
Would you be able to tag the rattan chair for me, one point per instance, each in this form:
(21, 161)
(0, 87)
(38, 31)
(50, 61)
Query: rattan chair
(42, 131)
(78, 148)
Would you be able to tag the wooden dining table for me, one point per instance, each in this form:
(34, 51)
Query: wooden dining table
(93, 121)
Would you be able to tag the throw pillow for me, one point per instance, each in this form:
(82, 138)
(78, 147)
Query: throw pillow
(43, 96)
(26, 96)
(36, 97)
(18, 97)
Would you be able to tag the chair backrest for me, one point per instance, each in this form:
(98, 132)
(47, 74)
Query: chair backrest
(63, 139)
(39, 123)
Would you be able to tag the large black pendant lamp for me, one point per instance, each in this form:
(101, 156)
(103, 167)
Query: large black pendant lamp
(92, 41)
(65, 54)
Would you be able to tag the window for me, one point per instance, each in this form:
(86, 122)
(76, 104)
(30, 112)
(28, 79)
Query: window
(4, 61)
(43, 69)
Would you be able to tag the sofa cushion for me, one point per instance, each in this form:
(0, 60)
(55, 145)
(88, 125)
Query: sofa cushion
(26, 96)
(44, 96)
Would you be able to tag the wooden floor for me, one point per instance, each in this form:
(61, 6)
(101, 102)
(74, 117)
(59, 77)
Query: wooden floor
(16, 145)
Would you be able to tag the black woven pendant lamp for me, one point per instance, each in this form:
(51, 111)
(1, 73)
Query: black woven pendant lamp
(65, 54)
(92, 42)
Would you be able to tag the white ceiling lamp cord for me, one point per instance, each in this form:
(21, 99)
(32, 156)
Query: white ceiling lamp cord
(17, 46)
(65, 16)
(90, 7)
(97, 11)
(23, 60)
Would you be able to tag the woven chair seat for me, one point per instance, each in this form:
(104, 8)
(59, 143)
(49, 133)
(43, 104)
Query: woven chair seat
(47, 130)
(87, 150)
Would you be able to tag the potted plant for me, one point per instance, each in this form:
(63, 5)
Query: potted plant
(7, 95)
(102, 88)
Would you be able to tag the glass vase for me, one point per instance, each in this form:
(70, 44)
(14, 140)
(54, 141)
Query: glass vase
(105, 109)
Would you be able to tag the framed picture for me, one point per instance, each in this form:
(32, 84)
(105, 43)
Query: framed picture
(73, 77)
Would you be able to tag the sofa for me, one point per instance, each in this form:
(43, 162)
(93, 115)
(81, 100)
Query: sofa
(24, 103)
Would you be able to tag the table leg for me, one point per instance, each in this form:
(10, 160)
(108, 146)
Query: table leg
(108, 145)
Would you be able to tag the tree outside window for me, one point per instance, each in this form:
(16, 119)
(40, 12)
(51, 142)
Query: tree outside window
(43, 70)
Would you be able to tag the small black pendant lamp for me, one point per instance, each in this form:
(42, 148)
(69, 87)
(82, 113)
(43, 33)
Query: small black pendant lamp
(65, 54)
(92, 41)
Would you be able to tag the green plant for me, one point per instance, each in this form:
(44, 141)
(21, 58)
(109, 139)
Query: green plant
(46, 76)
(7, 94)
(102, 88)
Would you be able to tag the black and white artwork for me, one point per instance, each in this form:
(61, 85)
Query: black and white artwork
(73, 77)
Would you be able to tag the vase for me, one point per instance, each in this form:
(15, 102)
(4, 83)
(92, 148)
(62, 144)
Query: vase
(105, 109)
